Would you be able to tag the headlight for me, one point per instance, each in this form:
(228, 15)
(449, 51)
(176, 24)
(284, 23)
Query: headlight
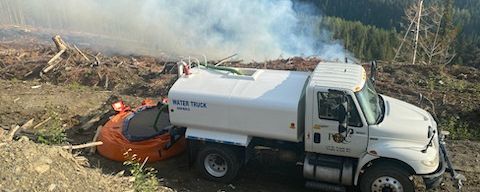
(432, 163)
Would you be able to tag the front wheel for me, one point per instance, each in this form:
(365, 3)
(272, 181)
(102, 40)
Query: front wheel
(386, 178)
(218, 163)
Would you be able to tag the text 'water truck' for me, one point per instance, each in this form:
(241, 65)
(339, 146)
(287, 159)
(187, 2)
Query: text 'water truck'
(344, 131)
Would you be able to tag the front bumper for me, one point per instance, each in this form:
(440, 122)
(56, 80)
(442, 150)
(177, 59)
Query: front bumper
(434, 179)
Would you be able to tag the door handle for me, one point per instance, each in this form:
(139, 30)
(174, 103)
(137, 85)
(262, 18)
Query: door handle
(318, 126)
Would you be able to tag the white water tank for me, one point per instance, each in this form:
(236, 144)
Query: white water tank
(260, 103)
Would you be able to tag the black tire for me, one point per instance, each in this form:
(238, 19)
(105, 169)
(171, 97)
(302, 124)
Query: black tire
(230, 159)
(388, 174)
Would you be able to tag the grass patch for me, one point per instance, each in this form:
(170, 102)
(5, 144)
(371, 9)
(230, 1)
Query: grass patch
(52, 133)
(144, 178)
(75, 86)
(458, 129)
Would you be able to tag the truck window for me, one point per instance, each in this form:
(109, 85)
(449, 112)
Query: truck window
(328, 103)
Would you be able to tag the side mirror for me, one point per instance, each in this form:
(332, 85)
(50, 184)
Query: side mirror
(343, 115)
(373, 71)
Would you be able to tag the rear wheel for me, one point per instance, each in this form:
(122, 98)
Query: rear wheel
(386, 178)
(218, 163)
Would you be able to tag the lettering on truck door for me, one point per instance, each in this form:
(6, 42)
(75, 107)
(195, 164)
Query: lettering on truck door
(325, 138)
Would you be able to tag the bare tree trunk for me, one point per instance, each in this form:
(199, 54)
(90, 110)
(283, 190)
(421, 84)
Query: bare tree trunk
(403, 41)
(419, 16)
(434, 45)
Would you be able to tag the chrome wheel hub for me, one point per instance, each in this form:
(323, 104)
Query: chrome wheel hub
(215, 165)
(386, 184)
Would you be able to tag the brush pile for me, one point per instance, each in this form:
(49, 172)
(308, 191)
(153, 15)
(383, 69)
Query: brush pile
(67, 64)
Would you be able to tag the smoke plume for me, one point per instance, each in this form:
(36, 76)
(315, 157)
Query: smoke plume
(265, 29)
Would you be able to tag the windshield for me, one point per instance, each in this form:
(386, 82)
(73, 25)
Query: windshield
(370, 103)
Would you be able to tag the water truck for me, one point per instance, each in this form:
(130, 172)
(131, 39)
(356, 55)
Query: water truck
(339, 129)
(344, 132)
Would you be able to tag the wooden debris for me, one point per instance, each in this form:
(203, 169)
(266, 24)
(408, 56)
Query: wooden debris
(48, 68)
(12, 132)
(106, 82)
(59, 43)
(56, 56)
(27, 74)
(81, 53)
(61, 47)
(28, 124)
(97, 133)
(23, 138)
(120, 64)
(16, 128)
(144, 162)
(41, 123)
(225, 59)
(120, 173)
(90, 123)
(36, 86)
(86, 145)
(97, 60)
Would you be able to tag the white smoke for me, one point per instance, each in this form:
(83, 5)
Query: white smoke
(263, 29)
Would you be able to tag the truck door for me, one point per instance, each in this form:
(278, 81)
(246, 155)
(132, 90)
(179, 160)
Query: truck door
(324, 131)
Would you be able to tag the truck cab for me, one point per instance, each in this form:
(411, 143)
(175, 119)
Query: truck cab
(386, 139)
(343, 131)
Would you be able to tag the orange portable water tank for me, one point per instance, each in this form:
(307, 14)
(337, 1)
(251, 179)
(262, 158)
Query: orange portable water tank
(115, 144)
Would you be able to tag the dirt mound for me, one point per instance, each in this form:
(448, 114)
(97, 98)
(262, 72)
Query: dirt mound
(27, 166)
